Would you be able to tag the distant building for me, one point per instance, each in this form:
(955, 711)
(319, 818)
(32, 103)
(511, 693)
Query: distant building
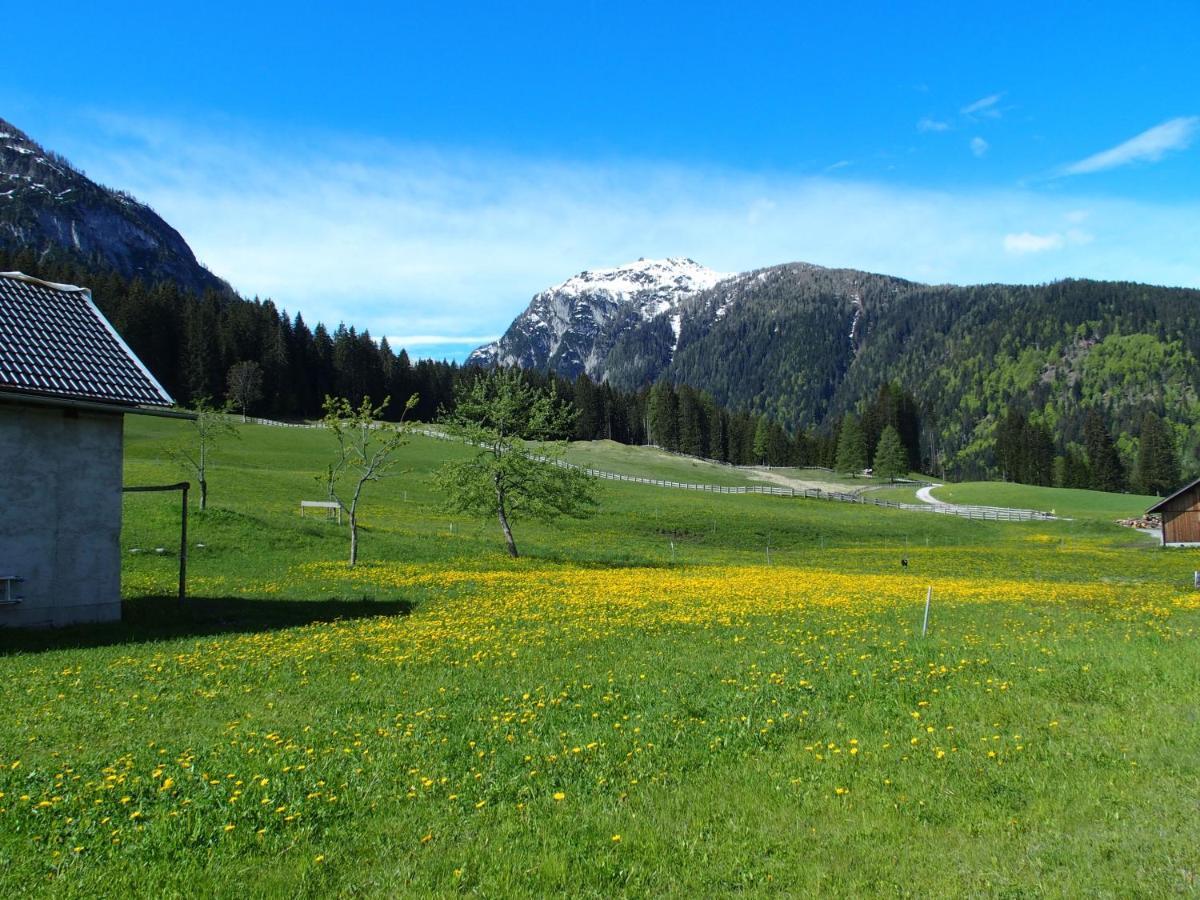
(66, 382)
(1180, 516)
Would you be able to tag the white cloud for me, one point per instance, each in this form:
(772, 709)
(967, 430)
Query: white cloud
(840, 164)
(1149, 146)
(431, 340)
(984, 106)
(979, 146)
(1026, 242)
(929, 124)
(427, 242)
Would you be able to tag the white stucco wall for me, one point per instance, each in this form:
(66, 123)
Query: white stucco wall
(60, 514)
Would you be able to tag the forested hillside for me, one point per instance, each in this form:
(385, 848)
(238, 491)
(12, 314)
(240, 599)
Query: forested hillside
(806, 351)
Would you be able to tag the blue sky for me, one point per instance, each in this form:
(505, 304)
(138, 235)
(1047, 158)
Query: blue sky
(423, 169)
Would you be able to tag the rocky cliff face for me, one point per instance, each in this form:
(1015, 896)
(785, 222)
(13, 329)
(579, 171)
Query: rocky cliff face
(571, 328)
(46, 205)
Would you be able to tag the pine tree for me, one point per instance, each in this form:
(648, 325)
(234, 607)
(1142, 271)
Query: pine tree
(852, 447)
(762, 441)
(1157, 469)
(778, 446)
(1010, 445)
(1108, 474)
(891, 459)
(664, 416)
(587, 414)
(692, 428)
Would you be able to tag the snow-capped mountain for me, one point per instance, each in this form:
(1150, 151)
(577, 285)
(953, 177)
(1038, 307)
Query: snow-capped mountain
(570, 327)
(46, 205)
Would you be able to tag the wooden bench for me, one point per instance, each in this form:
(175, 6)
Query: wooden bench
(330, 507)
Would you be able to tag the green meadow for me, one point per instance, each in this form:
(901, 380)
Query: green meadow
(687, 694)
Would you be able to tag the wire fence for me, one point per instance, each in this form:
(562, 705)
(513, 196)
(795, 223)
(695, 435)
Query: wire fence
(992, 513)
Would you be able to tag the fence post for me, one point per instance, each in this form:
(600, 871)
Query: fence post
(183, 545)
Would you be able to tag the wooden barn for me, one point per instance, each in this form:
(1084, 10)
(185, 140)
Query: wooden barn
(1180, 516)
(67, 381)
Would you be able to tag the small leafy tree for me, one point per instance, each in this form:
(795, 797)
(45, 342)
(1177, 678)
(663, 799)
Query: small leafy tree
(366, 451)
(244, 385)
(891, 459)
(205, 431)
(506, 477)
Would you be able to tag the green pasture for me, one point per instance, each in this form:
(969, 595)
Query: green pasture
(1071, 502)
(426, 726)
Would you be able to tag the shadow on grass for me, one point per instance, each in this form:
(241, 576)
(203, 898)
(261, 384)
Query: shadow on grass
(164, 618)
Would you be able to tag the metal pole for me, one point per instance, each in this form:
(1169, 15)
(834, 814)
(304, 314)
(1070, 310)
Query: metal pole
(183, 547)
(928, 597)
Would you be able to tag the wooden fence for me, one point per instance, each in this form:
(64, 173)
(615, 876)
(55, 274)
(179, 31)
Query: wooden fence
(993, 513)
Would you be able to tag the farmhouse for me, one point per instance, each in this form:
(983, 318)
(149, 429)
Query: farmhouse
(1180, 516)
(66, 382)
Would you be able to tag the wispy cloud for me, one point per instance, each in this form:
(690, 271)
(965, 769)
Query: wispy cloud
(435, 243)
(984, 106)
(1026, 242)
(437, 340)
(926, 123)
(979, 146)
(1149, 146)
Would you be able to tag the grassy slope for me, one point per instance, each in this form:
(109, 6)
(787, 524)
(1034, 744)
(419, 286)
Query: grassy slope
(899, 493)
(650, 462)
(744, 722)
(1079, 504)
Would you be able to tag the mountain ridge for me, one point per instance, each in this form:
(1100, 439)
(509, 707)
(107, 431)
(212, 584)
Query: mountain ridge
(571, 326)
(804, 345)
(49, 206)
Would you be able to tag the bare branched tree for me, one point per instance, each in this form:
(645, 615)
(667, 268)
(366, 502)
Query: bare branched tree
(205, 431)
(366, 451)
(244, 385)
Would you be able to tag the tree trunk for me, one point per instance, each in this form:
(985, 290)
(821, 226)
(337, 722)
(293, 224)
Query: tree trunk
(508, 538)
(353, 538)
(203, 495)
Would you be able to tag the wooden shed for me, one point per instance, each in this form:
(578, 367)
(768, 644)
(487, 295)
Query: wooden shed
(1180, 516)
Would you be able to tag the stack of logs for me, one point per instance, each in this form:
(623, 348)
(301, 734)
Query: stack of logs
(1150, 522)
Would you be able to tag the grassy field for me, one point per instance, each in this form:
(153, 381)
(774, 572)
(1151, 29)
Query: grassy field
(650, 462)
(639, 706)
(1092, 506)
(1072, 502)
(900, 493)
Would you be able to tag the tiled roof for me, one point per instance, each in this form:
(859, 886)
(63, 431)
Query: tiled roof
(54, 341)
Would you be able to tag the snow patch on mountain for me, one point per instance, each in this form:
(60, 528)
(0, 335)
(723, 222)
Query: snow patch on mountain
(570, 326)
